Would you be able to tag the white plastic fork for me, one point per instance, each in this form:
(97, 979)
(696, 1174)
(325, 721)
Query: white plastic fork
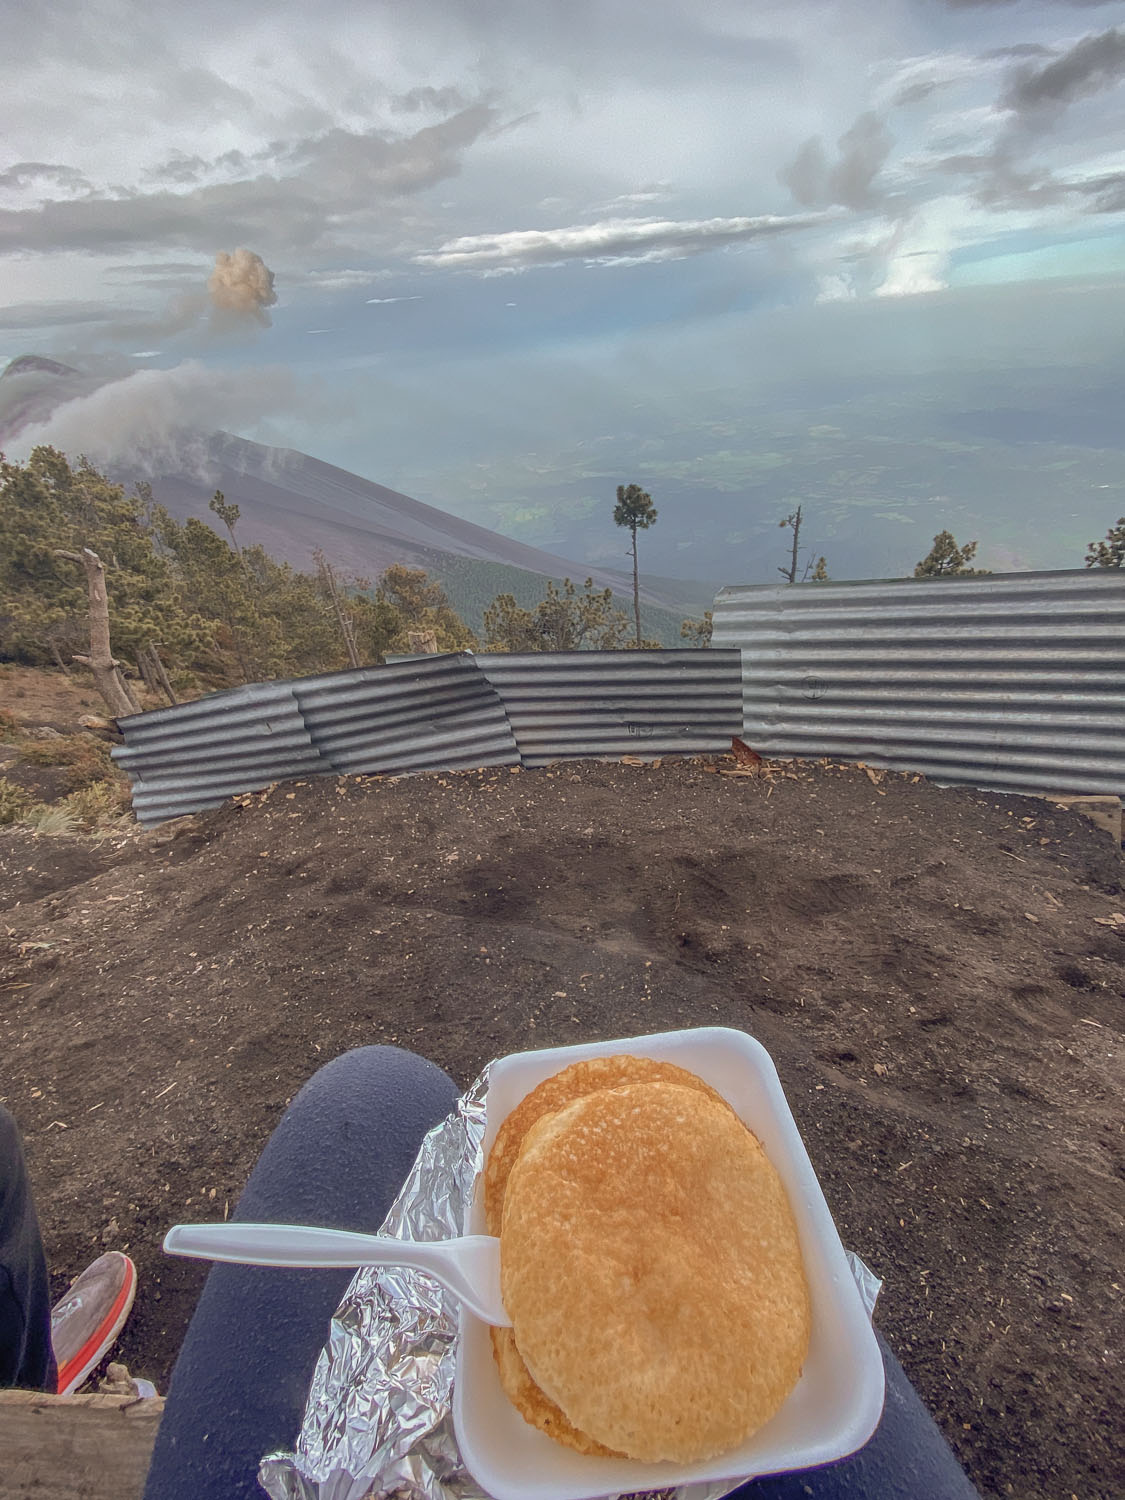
(469, 1267)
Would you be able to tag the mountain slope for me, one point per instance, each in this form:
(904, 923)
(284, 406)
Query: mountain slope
(291, 504)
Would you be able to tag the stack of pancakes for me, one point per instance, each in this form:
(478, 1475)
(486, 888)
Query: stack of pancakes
(649, 1264)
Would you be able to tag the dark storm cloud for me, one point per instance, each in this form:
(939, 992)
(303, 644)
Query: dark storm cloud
(1019, 49)
(1001, 183)
(1005, 176)
(62, 178)
(298, 194)
(817, 182)
(1103, 195)
(914, 93)
(1089, 67)
(444, 100)
(182, 171)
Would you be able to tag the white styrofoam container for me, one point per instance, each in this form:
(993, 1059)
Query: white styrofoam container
(836, 1404)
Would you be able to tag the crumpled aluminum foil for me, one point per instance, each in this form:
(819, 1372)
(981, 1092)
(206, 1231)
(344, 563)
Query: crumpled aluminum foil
(378, 1424)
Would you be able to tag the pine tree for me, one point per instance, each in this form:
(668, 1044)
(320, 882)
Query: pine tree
(228, 514)
(564, 620)
(1111, 552)
(422, 606)
(47, 508)
(698, 632)
(635, 511)
(946, 560)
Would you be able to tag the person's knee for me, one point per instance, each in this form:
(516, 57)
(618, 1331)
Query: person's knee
(373, 1080)
(380, 1066)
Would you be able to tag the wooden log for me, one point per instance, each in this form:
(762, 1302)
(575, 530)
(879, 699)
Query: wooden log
(75, 1447)
(101, 660)
(162, 675)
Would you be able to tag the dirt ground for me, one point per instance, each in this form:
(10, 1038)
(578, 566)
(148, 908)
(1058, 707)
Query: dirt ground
(37, 697)
(938, 975)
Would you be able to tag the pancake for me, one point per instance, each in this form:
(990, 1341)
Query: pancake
(556, 1092)
(532, 1405)
(652, 1271)
(552, 1094)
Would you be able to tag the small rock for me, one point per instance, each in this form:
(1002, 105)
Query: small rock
(117, 1381)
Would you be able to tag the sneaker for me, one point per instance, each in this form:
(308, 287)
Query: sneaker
(86, 1322)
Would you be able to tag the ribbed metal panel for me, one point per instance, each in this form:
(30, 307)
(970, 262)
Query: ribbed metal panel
(432, 713)
(1014, 682)
(194, 756)
(568, 704)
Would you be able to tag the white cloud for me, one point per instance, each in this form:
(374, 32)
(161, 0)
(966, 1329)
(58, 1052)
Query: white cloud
(918, 250)
(611, 240)
(655, 192)
(914, 274)
(912, 80)
(345, 279)
(835, 288)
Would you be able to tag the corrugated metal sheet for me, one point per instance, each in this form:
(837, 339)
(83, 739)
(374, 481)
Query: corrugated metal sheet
(568, 704)
(432, 713)
(1014, 682)
(194, 756)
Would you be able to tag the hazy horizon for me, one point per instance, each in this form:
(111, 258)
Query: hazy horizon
(502, 259)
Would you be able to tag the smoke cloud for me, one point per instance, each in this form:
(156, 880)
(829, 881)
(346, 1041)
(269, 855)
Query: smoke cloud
(815, 182)
(240, 289)
(236, 296)
(159, 421)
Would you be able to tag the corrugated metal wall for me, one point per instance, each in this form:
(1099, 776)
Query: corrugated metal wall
(1014, 682)
(431, 713)
(568, 704)
(184, 759)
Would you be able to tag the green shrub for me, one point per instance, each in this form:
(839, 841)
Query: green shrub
(50, 821)
(86, 758)
(14, 802)
(98, 805)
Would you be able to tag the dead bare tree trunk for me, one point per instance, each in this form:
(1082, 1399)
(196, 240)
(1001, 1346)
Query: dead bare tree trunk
(343, 619)
(790, 573)
(55, 652)
(144, 667)
(160, 674)
(101, 660)
(422, 642)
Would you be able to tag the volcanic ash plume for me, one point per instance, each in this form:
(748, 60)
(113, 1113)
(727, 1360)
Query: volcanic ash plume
(159, 421)
(241, 288)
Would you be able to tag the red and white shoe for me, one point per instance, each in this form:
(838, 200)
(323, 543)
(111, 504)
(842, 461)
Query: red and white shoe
(86, 1321)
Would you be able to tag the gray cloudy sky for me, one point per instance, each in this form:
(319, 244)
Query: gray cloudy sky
(524, 250)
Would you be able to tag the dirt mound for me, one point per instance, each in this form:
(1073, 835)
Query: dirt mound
(938, 975)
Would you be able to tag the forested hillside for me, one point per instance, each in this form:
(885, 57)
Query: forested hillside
(190, 600)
